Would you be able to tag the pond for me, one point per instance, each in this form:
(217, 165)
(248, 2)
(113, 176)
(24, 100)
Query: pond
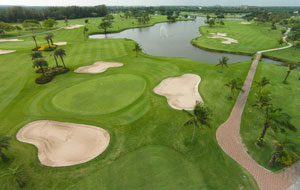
(173, 39)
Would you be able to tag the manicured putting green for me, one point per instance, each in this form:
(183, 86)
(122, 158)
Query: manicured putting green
(101, 96)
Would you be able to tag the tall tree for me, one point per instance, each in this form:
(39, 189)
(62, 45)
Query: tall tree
(137, 49)
(41, 64)
(262, 100)
(200, 117)
(34, 39)
(60, 53)
(105, 24)
(276, 120)
(223, 62)
(47, 38)
(50, 37)
(4, 145)
(36, 55)
(290, 68)
(234, 84)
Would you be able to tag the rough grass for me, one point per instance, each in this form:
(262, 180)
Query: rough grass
(149, 147)
(251, 38)
(285, 96)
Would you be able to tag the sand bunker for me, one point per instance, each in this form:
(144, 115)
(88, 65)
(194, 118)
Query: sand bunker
(245, 23)
(181, 92)
(6, 51)
(11, 40)
(64, 144)
(224, 36)
(73, 26)
(60, 43)
(98, 67)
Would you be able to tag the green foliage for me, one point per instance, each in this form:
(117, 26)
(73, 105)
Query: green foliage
(234, 85)
(49, 23)
(31, 24)
(4, 145)
(4, 27)
(223, 62)
(104, 25)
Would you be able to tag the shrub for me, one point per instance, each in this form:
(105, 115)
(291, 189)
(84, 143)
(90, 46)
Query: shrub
(45, 79)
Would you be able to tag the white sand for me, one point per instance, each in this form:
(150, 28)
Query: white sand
(73, 26)
(98, 67)
(64, 144)
(11, 40)
(60, 43)
(245, 23)
(6, 51)
(181, 92)
(224, 36)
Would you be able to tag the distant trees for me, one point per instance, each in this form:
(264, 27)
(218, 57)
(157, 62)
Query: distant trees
(200, 117)
(31, 24)
(5, 27)
(16, 14)
(234, 84)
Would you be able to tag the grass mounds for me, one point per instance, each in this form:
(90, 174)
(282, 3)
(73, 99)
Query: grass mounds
(101, 96)
(251, 38)
(285, 96)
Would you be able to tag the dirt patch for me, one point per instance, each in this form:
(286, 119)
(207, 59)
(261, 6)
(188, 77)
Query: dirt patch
(73, 26)
(181, 92)
(224, 36)
(64, 144)
(60, 43)
(245, 23)
(11, 40)
(98, 67)
(6, 51)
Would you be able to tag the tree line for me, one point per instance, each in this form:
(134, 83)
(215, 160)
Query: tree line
(19, 14)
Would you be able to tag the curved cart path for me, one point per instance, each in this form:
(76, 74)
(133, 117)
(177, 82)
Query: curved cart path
(228, 137)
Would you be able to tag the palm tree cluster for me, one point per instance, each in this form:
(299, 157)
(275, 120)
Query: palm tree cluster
(274, 119)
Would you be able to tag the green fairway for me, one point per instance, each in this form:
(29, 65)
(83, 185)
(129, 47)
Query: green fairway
(290, 55)
(101, 96)
(285, 96)
(149, 146)
(251, 37)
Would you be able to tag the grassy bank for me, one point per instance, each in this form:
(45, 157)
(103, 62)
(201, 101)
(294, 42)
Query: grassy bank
(251, 37)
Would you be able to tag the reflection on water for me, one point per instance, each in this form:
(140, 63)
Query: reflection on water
(174, 40)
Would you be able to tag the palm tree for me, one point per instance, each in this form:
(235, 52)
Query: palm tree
(40, 63)
(290, 68)
(34, 39)
(223, 62)
(286, 148)
(235, 84)
(137, 49)
(201, 116)
(60, 53)
(262, 100)
(276, 120)
(4, 145)
(48, 40)
(262, 83)
(36, 55)
(50, 37)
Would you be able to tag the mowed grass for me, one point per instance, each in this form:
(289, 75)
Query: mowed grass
(149, 147)
(251, 37)
(290, 55)
(285, 96)
(101, 96)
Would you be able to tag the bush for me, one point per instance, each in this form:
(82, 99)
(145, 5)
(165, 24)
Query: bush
(50, 74)
(45, 79)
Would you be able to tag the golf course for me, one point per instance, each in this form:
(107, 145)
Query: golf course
(116, 117)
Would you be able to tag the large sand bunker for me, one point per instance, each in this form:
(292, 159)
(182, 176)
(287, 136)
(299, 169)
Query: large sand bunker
(73, 26)
(60, 43)
(11, 40)
(64, 144)
(224, 36)
(181, 92)
(6, 51)
(98, 67)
